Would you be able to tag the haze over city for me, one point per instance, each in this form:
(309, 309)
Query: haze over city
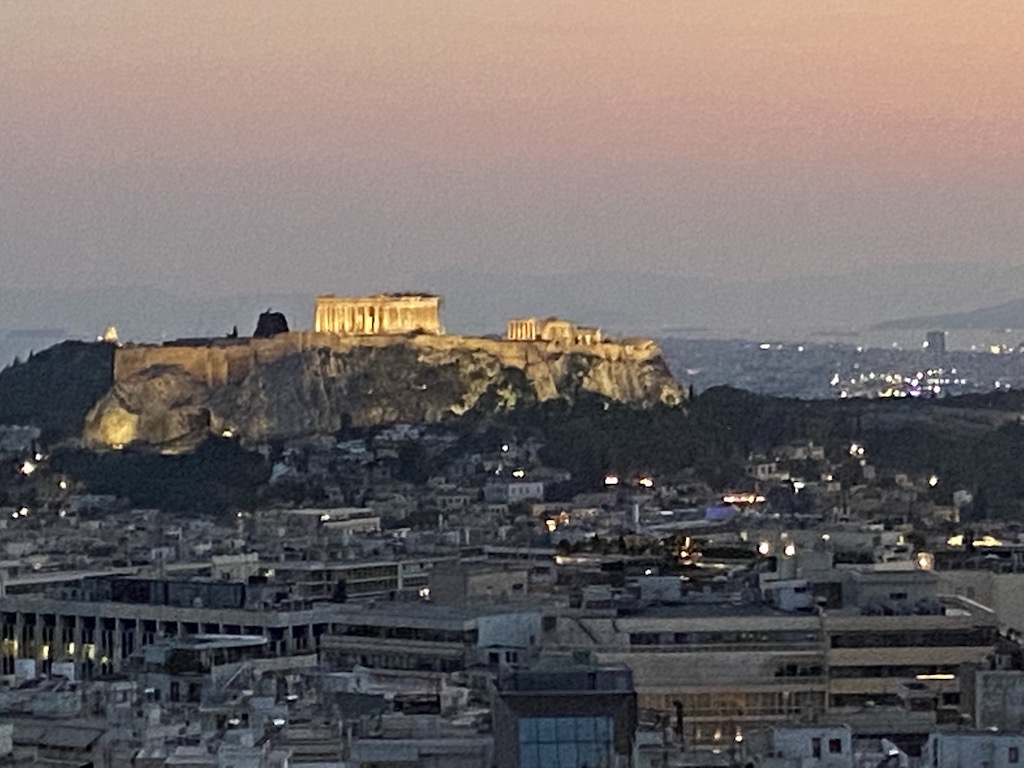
(477, 384)
(711, 150)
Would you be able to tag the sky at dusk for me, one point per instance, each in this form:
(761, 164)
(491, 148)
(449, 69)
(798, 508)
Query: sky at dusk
(239, 146)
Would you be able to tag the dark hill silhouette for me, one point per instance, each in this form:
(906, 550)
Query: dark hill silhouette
(55, 388)
(997, 318)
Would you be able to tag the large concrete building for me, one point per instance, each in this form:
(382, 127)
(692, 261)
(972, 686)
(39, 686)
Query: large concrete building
(984, 749)
(885, 658)
(383, 314)
(96, 625)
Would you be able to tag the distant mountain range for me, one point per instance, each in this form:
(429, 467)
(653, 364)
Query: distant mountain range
(623, 302)
(1009, 315)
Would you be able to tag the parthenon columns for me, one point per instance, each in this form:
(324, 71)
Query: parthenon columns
(373, 315)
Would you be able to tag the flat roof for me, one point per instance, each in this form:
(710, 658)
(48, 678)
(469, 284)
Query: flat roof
(214, 642)
(712, 611)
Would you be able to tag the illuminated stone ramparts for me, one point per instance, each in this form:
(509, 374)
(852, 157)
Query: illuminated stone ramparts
(172, 396)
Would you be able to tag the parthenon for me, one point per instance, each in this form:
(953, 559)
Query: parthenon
(383, 314)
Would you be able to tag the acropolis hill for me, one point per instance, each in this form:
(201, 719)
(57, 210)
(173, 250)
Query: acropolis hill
(368, 360)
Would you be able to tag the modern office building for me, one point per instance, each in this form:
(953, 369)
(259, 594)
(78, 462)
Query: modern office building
(565, 713)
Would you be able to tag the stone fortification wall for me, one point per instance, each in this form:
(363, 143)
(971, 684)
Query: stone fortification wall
(299, 384)
(222, 362)
(215, 363)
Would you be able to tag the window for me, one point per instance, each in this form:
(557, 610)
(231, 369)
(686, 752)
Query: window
(816, 748)
(1014, 755)
(565, 742)
(835, 746)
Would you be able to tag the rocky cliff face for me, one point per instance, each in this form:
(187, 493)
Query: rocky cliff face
(301, 384)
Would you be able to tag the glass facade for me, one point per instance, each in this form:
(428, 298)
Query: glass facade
(566, 742)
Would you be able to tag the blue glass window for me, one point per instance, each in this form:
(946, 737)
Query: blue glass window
(566, 742)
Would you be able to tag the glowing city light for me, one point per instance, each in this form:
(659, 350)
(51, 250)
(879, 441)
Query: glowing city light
(611, 480)
(743, 498)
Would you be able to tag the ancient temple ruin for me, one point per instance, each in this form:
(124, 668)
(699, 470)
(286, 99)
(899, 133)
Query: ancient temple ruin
(552, 329)
(383, 314)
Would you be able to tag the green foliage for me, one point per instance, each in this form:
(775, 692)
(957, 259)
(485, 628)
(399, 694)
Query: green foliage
(712, 434)
(218, 477)
(415, 463)
(422, 519)
(294, 491)
(54, 389)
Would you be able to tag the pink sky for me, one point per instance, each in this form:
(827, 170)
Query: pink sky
(690, 136)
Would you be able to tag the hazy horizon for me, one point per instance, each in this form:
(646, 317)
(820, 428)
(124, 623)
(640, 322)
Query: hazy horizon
(750, 162)
(480, 302)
